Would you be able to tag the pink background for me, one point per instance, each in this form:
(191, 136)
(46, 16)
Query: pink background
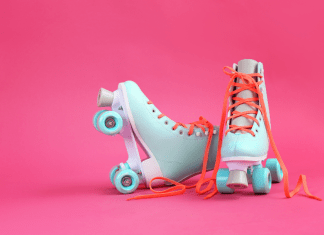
(54, 57)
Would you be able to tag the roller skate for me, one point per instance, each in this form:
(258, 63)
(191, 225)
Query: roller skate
(175, 151)
(246, 142)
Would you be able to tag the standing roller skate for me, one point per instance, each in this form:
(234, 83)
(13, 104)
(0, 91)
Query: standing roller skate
(175, 151)
(246, 141)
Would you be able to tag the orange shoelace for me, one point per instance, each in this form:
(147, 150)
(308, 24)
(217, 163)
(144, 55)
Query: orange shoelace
(180, 188)
(250, 84)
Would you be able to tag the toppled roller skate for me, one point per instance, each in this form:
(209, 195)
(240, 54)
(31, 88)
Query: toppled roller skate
(175, 151)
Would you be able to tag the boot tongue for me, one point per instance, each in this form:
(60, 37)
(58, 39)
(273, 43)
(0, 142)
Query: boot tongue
(245, 66)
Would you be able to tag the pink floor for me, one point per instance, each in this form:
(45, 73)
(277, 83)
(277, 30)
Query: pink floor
(94, 207)
(55, 55)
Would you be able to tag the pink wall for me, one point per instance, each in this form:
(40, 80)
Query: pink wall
(54, 57)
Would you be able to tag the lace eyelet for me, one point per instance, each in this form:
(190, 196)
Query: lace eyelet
(180, 132)
(260, 118)
(166, 122)
(256, 130)
(153, 110)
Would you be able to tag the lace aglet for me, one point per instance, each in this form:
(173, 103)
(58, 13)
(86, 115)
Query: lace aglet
(316, 198)
(132, 198)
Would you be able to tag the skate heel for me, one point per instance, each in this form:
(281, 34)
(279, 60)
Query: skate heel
(237, 179)
(151, 169)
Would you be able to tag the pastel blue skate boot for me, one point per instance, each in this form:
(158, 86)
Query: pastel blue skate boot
(174, 150)
(246, 141)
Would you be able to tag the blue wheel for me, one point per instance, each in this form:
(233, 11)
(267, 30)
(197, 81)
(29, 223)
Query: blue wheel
(275, 170)
(95, 118)
(261, 181)
(110, 123)
(221, 179)
(112, 174)
(126, 181)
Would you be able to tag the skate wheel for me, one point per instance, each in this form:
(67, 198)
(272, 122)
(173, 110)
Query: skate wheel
(222, 176)
(275, 170)
(110, 123)
(112, 174)
(95, 118)
(126, 181)
(261, 181)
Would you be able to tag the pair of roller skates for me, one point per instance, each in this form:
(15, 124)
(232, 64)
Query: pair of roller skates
(177, 151)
